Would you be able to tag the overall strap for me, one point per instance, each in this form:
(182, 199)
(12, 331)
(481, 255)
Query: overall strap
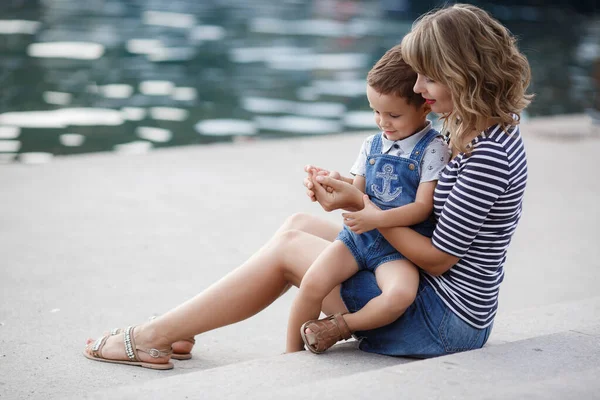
(376, 144)
(419, 149)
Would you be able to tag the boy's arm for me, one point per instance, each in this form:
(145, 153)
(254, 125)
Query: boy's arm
(412, 213)
(371, 217)
(359, 182)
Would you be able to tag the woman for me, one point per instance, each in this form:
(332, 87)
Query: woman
(472, 74)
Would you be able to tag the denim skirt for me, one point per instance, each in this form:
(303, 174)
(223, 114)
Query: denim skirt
(428, 328)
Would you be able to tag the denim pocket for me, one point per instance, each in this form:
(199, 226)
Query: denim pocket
(458, 336)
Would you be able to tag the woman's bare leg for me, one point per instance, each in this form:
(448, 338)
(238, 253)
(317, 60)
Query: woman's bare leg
(308, 223)
(239, 295)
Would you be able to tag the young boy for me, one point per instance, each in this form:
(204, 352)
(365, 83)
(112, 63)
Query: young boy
(398, 169)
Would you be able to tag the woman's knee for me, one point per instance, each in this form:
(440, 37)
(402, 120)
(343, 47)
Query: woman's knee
(298, 221)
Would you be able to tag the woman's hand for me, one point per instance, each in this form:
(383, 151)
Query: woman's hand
(312, 172)
(367, 219)
(333, 194)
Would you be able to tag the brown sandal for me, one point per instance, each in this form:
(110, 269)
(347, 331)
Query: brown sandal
(325, 333)
(131, 350)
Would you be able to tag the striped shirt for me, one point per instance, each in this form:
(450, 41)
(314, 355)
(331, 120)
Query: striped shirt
(478, 203)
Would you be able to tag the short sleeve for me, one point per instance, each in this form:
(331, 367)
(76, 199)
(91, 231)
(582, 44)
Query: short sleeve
(483, 176)
(359, 167)
(437, 155)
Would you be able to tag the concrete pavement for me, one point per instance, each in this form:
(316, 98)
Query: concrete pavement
(97, 241)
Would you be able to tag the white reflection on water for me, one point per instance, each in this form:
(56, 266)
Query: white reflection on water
(359, 119)
(292, 124)
(325, 62)
(169, 19)
(134, 113)
(9, 132)
(272, 106)
(72, 50)
(63, 118)
(18, 26)
(59, 98)
(35, 158)
(116, 91)
(136, 147)
(225, 127)
(9, 146)
(184, 94)
(156, 88)
(71, 139)
(154, 134)
(311, 27)
(207, 33)
(169, 113)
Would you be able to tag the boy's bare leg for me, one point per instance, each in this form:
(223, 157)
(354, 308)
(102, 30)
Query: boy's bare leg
(399, 282)
(333, 266)
(239, 295)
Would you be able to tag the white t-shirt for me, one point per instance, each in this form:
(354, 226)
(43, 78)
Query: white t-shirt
(437, 153)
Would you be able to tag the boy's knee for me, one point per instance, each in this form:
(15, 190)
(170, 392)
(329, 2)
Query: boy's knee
(398, 299)
(312, 289)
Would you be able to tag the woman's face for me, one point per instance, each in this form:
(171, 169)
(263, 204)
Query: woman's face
(435, 94)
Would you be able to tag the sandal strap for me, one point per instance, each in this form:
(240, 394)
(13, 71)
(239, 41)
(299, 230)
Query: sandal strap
(342, 326)
(131, 349)
(129, 341)
(98, 345)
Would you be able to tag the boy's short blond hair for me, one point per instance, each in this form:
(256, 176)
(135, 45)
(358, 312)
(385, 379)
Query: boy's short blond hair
(392, 75)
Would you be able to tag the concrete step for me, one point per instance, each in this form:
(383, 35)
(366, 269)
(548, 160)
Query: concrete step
(344, 370)
(558, 366)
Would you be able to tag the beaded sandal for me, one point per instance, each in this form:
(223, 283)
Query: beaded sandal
(174, 356)
(131, 350)
(325, 333)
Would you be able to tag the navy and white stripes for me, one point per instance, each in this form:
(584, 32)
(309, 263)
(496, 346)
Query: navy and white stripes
(478, 203)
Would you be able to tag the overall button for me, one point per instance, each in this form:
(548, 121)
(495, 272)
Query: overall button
(417, 152)
(372, 161)
(411, 167)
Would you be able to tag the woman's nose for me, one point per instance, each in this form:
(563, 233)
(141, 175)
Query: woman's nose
(418, 88)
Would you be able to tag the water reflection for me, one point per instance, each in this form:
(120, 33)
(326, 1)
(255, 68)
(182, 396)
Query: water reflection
(128, 76)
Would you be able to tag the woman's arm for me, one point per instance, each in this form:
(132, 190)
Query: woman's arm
(419, 249)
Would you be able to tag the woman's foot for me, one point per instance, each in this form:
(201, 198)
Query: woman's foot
(133, 346)
(183, 347)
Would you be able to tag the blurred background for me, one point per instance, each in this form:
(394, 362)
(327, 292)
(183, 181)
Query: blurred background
(82, 76)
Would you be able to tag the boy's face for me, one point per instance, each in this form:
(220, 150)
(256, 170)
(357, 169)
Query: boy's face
(394, 116)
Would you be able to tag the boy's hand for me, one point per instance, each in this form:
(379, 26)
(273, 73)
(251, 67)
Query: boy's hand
(313, 172)
(364, 220)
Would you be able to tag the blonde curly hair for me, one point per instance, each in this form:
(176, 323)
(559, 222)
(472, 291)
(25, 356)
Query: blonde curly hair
(476, 57)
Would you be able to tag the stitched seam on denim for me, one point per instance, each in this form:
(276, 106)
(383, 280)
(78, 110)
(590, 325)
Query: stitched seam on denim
(446, 342)
(355, 253)
(374, 247)
(386, 259)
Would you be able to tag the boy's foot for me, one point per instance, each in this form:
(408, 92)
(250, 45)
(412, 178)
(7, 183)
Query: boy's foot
(319, 335)
(131, 348)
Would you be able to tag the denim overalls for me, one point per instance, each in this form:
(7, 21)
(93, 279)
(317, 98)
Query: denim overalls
(391, 181)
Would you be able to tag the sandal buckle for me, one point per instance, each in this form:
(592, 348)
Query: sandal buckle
(154, 353)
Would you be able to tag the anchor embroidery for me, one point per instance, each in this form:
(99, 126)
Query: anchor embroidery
(387, 175)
